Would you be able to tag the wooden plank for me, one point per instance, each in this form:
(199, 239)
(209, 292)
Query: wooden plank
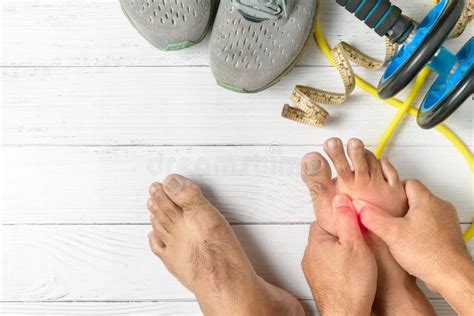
(102, 308)
(96, 33)
(254, 184)
(140, 308)
(183, 106)
(81, 262)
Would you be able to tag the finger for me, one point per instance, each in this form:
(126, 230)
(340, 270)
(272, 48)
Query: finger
(385, 226)
(345, 217)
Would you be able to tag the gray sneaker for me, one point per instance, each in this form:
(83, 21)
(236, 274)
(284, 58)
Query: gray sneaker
(170, 24)
(256, 42)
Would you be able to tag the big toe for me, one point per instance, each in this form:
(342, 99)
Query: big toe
(185, 193)
(316, 174)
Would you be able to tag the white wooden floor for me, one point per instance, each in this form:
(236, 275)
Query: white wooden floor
(91, 114)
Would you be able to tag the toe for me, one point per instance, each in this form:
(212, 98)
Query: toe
(356, 151)
(165, 205)
(375, 170)
(153, 187)
(161, 226)
(152, 205)
(316, 174)
(157, 245)
(184, 193)
(335, 151)
(389, 172)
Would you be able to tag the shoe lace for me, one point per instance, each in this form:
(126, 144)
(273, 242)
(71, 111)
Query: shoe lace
(260, 10)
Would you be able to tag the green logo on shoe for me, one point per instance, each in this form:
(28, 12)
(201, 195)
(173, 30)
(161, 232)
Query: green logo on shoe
(177, 46)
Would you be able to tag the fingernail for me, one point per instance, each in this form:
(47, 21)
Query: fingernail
(152, 216)
(152, 189)
(173, 185)
(312, 167)
(341, 200)
(332, 143)
(358, 205)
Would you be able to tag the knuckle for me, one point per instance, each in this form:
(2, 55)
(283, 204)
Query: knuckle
(192, 187)
(317, 189)
(162, 221)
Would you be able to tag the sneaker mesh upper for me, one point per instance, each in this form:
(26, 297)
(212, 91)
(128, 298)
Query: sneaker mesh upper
(165, 22)
(251, 56)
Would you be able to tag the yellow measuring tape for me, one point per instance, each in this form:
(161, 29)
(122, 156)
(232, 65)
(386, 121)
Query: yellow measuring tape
(313, 114)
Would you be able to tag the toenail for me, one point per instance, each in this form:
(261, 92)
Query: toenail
(173, 185)
(332, 143)
(153, 188)
(342, 200)
(312, 167)
(355, 143)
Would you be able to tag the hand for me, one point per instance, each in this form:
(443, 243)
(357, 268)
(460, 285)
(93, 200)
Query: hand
(427, 243)
(341, 271)
(377, 182)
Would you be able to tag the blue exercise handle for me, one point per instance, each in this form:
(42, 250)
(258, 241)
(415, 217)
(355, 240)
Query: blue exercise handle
(420, 46)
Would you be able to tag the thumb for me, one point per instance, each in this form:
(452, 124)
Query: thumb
(385, 226)
(416, 192)
(345, 219)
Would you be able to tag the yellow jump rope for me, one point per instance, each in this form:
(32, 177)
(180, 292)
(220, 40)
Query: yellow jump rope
(404, 108)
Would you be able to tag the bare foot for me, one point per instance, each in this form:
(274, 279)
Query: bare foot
(199, 248)
(376, 182)
(370, 180)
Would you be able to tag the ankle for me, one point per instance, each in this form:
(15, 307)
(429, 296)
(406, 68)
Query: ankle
(243, 295)
(404, 299)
